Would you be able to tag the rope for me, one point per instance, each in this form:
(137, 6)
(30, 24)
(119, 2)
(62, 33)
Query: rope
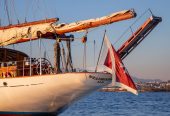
(28, 4)
(94, 50)
(63, 60)
(84, 57)
(100, 51)
(14, 10)
(46, 50)
(7, 11)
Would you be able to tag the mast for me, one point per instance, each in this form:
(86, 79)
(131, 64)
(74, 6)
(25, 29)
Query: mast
(69, 58)
(57, 55)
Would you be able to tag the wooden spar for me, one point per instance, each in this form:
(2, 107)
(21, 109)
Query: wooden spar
(18, 33)
(91, 23)
(57, 54)
(139, 35)
(52, 20)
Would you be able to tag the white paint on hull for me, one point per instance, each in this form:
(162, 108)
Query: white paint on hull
(48, 93)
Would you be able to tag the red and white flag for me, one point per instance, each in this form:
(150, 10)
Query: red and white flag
(114, 65)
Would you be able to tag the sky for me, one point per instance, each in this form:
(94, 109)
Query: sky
(150, 60)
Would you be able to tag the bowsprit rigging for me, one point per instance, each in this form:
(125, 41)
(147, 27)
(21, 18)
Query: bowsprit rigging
(42, 88)
(139, 35)
(48, 27)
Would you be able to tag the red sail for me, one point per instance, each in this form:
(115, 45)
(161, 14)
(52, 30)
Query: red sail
(120, 74)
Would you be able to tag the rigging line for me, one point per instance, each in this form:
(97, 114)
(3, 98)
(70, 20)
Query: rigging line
(14, 10)
(34, 8)
(27, 4)
(40, 9)
(94, 50)
(100, 51)
(3, 14)
(131, 26)
(84, 61)
(84, 57)
(46, 50)
(11, 12)
(7, 11)
(0, 9)
(46, 12)
(64, 58)
(79, 44)
(62, 62)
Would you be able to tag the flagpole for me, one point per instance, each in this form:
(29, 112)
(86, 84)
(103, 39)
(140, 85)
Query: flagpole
(100, 51)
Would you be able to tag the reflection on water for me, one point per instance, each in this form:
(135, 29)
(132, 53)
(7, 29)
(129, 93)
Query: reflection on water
(121, 104)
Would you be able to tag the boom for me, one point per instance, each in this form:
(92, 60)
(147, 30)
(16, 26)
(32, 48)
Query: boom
(49, 29)
(138, 36)
(91, 23)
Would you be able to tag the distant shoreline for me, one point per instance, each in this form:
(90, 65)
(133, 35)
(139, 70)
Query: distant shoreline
(123, 90)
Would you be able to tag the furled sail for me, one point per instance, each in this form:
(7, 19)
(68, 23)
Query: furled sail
(48, 28)
(91, 23)
(24, 32)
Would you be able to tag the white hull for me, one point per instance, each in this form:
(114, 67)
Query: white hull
(48, 93)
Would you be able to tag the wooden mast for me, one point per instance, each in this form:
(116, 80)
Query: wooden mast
(57, 54)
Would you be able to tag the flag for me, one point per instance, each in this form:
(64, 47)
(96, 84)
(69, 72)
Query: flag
(114, 65)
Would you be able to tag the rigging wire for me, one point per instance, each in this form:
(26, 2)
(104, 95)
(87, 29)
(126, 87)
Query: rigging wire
(84, 40)
(0, 13)
(130, 27)
(84, 57)
(35, 9)
(7, 11)
(46, 11)
(100, 51)
(46, 50)
(28, 4)
(14, 10)
(94, 42)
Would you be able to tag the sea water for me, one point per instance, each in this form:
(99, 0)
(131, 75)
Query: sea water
(121, 104)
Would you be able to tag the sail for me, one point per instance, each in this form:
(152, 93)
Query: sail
(91, 23)
(48, 28)
(114, 65)
(24, 32)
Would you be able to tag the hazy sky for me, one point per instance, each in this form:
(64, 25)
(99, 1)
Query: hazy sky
(150, 60)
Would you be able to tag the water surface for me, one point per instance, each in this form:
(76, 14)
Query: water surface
(121, 104)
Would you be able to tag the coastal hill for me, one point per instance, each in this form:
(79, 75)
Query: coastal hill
(144, 85)
(136, 80)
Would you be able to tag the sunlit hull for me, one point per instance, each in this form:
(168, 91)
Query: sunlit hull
(47, 93)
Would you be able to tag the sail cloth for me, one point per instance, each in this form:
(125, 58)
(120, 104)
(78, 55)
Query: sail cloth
(21, 32)
(91, 23)
(114, 65)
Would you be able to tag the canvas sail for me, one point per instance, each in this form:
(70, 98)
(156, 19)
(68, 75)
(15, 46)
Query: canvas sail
(24, 32)
(20, 33)
(83, 25)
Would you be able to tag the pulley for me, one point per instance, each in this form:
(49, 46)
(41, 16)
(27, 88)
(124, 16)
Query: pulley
(84, 39)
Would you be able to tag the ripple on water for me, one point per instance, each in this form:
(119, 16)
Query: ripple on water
(121, 104)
